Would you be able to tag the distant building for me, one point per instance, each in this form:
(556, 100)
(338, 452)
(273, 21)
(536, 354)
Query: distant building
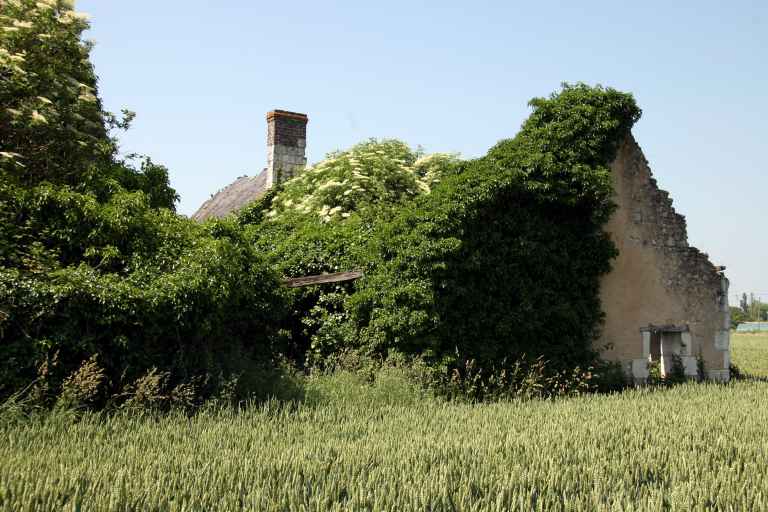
(752, 327)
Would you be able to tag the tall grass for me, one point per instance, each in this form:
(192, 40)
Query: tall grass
(750, 353)
(352, 447)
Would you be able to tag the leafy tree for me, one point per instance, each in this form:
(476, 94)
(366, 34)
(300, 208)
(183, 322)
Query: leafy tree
(52, 125)
(737, 316)
(751, 309)
(94, 262)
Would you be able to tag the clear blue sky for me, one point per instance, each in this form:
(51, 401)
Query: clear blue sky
(452, 76)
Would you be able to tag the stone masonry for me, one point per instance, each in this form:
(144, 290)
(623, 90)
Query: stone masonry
(664, 300)
(286, 144)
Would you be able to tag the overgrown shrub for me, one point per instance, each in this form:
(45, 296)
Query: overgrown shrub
(211, 307)
(504, 258)
(322, 221)
(496, 259)
(609, 377)
(673, 376)
(480, 270)
(94, 262)
(735, 372)
(369, 175)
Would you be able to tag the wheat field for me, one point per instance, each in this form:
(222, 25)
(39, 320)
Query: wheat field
(750, 352)
(690, 447)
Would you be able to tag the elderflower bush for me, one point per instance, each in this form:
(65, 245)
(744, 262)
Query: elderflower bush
(48, 92)
(372, 172)
(321, 221)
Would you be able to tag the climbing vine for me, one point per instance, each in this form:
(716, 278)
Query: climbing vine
(501, 260)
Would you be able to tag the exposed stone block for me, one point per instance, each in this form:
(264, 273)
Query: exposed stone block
(646, 344)
(723, 340)
(640, 368)
(690, 366)
(686, 340)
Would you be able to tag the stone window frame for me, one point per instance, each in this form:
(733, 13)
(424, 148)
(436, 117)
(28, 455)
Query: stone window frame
(684, 350)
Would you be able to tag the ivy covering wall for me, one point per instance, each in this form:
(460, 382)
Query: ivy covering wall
(502, 261)
(495, 259)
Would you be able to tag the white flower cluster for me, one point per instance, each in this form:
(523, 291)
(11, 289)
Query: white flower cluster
(369, 173)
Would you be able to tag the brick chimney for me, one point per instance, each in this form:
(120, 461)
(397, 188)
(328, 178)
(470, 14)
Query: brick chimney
(286, 142)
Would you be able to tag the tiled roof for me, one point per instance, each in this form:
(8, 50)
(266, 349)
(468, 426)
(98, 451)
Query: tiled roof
(233, 197)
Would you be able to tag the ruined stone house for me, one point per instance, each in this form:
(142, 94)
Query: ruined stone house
(665, 302)
(663, 299)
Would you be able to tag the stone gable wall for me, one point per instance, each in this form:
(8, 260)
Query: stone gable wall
(658, 281)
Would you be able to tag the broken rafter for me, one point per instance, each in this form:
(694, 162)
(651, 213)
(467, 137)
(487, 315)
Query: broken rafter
(297, 282)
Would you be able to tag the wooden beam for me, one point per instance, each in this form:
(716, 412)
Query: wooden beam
(297, 282)
(665, 328)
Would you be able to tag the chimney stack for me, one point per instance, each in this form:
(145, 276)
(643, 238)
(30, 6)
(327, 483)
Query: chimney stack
(286, 143)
